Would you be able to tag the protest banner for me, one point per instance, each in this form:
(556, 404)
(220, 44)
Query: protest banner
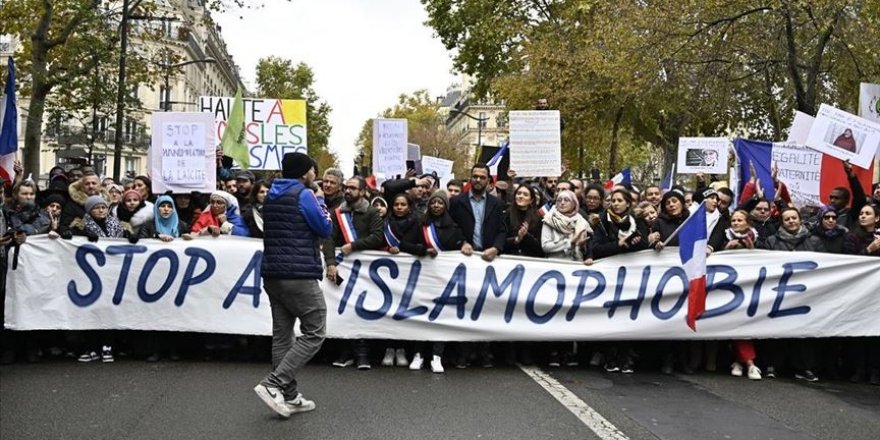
(702, 155)
(800, 128)
(809, 175)
(844, 136)
(214, 285)
(181, 153)
(535, 143)
(442, 167)
(390, 148)
(273, 127)
(414, 158)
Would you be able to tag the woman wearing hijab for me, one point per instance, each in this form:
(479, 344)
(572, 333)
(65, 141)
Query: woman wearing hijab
(829, 230)
(221, 217)
(439, 233)
(846, 141)
(133, 212)
(792, 236)
(864, 353)
(166, 224)
(564, 236)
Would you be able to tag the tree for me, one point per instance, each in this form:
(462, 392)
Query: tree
(65, 45)
(425, 126)
(630, 74)
(278, 78)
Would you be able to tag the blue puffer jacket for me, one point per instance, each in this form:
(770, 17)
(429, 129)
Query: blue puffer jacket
(294, 221)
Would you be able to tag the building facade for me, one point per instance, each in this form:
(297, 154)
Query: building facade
(477, 122)
(191, 59)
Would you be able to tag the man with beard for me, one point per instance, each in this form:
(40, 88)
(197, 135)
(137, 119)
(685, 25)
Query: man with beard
(357, 226)
(74, 209)
(479, 215)
(244, 181)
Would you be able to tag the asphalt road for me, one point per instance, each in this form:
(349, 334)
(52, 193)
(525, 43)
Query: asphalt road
(214, 400)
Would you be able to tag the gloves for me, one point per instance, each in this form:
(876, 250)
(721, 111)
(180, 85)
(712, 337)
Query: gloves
(67, 235)
(92, 237)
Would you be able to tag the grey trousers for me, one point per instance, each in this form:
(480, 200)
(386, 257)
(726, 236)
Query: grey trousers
(289, 300)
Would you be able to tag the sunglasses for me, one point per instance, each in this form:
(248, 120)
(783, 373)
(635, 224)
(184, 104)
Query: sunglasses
(829, 217)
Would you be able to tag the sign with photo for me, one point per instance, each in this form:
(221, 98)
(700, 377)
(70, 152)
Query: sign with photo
(702, 155)
(844, 136)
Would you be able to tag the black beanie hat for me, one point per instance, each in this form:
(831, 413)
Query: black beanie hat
(295, 165)
(54, 198)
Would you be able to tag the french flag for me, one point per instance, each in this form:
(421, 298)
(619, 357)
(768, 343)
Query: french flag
(808, 174)
(496, 159)
(622, 178)
(692, 250)
(8, 127)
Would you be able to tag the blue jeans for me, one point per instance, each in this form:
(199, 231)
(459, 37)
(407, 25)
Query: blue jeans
(289, 300)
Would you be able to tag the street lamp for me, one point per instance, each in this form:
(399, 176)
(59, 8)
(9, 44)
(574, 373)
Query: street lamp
(166, 106)
(480, 122)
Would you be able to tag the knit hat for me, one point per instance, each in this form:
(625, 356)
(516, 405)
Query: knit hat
(709, 193)
(440, 194)
(54, 198)
(93, 201)
(379, 200)
(130, 193)
(296, 165)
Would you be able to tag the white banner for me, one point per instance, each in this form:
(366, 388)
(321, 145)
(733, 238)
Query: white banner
(800, 168)
(390, 148)
(800, 128)
(213, 285)
(535, 143)
(844, 136)
(702, 155)
(181, 155)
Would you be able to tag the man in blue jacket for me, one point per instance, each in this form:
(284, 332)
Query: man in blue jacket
(295, 219)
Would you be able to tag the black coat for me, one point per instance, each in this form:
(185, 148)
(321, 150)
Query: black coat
(530, 245)
(408, 230)
(494, 226)
(605, 242)
(802, 241)
(667, 226)
(451, 237)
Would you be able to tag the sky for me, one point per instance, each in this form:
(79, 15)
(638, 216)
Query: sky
(363, 54)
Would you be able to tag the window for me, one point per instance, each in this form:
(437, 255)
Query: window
(132, 164)
(483, 120)
(165, 98)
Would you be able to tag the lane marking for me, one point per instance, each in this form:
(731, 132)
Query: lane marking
(598, 424)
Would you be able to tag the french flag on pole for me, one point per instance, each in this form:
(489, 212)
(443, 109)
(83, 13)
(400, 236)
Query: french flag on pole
(8, 127)
(622, 178)
(496, 159)
(692, 250)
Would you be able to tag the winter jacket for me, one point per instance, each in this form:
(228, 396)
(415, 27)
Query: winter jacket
(28, 219)
(408, 231)
(494, 227)
(294, 221)
(451, 237)
(530, 245)
(800, 241)
(856, 242)
(666, 226)
(831, 239)
(74, 210)
(368, 227)
(234, 225)
(148, 230)
(605, 241)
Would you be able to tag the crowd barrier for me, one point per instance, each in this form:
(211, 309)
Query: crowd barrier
(214, 285)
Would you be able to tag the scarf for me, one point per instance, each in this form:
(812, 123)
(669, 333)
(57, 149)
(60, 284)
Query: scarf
(570, 225)
(258, 216)
(731, 235)
(111, 228)
(838, 231)
(712, 219)
(166, 226)
(626, 225)
(795, 238)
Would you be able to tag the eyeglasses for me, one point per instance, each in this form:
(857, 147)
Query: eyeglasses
(829, 217)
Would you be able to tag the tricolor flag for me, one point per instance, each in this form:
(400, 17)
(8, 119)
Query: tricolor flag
(8, 127)
(692, 250)
(544, 209)
(808, 174)
(668, 181)
(495, 161)
(622, 178)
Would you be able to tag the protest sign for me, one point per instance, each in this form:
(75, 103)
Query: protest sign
(702, 155)
(414, 158)
(535, 143)
(442, 167)
(809, 175)
(273, 127)
(844, 136)
(869, 102)
(390, 149)
(800, 128)
(181, 154)
(214, 285)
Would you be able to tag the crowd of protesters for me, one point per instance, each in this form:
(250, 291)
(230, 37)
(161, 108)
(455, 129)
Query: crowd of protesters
(547, 217)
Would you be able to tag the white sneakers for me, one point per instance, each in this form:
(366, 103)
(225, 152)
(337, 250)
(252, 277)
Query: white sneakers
(437, 365)
(736, 369)
(416, 362)
(754, 373)
(400, 357)
(274, 398)
(388, 359)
